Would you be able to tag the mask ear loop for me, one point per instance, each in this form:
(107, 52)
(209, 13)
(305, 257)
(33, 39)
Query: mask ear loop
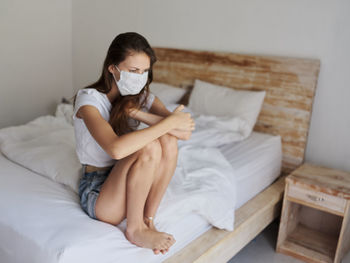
(117, 68)
(114, 78)
(116, 82)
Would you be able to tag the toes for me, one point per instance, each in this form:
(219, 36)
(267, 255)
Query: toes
(156, 251)
(165, 246)
(170, 237)
(169, 244)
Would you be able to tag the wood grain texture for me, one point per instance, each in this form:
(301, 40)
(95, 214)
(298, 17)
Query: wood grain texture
(289, 83)
(344, 238)
(325, 193)
(316, 199)
(330, 181)
(317, 241)
(288, 221)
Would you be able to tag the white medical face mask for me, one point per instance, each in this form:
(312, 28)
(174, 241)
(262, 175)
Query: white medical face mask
(130, 83)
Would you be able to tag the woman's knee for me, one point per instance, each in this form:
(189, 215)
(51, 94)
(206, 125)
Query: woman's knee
(151, 151)
(169, 146)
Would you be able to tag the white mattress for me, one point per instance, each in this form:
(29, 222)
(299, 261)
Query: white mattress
(41, 221)
(257, 163)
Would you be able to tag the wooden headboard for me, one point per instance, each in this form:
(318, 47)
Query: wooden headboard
(289, 83)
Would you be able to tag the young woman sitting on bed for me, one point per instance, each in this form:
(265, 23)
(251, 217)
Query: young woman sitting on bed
(126, 171)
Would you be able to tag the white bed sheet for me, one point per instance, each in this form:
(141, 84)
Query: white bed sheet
(257, 163)
(41, 220)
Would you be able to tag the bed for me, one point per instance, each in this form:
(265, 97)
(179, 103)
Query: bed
(280, 135)
(290, 84)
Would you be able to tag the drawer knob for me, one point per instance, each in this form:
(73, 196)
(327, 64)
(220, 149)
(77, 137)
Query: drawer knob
(315, 198)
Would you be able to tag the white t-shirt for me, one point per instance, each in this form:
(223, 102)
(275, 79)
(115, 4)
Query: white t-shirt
(88, 150)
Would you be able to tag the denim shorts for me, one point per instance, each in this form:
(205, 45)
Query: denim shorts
(89, 189)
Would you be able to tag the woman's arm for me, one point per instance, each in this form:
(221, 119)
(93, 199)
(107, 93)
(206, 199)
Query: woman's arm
(145, 117)
(156, 113)
(158, 108)
(119, 147)
(152, 119)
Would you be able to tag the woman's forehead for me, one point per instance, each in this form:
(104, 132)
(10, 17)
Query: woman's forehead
(138, 60)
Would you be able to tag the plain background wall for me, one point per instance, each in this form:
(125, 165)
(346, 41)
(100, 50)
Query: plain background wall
(50, 49)
(35, 58)
(298, 28)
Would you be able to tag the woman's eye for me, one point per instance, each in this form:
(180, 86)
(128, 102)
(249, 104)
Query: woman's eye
(137, 71)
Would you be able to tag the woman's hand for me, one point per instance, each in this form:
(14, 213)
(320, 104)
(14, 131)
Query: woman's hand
(181, 135)
(182, 120)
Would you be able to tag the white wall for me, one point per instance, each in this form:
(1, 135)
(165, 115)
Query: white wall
(35, 58)
(313, 28)
(40, 61)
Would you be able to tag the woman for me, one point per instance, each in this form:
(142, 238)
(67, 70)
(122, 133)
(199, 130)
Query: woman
(126, 171)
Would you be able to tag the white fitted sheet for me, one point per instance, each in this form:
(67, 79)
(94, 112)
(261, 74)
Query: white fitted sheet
(41, 220)
(257, 163)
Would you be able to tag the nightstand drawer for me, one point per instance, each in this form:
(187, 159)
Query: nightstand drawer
(319, 199)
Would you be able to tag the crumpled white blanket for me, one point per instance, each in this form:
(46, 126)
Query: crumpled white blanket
(213, 131)
(200, 184)
(45, 145)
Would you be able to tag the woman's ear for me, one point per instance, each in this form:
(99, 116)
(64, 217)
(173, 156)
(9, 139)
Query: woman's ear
(111, 69)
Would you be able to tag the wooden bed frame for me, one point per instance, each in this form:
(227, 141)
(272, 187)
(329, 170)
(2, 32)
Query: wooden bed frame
(290, 85)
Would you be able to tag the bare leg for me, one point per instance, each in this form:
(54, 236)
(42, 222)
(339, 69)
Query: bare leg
(111, 202)
(124, 194)
(166, 170)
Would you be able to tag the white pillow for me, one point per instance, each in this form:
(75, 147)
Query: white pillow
(210, 99)
(65, 110)
(167, 93)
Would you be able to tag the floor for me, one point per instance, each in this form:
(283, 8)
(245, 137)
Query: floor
(262, 249)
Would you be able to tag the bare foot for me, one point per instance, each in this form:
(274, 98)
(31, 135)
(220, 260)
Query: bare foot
(150, 225)
(148, 238)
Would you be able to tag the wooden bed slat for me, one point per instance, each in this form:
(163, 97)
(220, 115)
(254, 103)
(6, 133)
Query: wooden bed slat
(289, 84)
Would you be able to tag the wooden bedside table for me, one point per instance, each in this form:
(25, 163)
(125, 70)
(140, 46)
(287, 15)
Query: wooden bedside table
(315, 220)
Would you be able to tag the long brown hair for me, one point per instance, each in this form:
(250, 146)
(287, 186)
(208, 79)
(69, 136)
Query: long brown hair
(121, 47)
